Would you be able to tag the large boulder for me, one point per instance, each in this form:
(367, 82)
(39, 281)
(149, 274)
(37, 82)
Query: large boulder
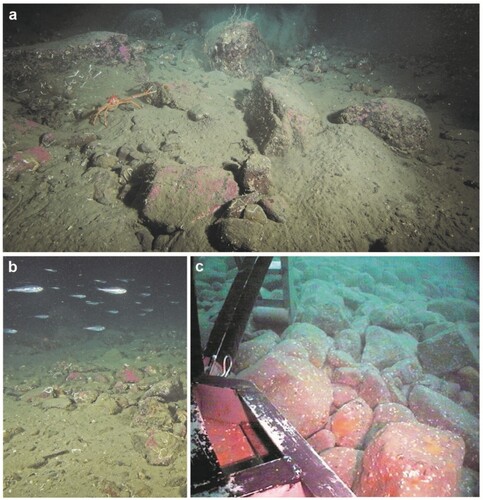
(401, 124)
(251, 351)
(390, 316)
(237, 48)
(181, 195)
(456, 309)
(449, 351)
(373, 389)
(349, 340)
(313, 339)
(325, 310)
(299, 390)
(345, 462)
(411, 459)
(432, 408)
(351, 422)
(384, 348)
(279, 116)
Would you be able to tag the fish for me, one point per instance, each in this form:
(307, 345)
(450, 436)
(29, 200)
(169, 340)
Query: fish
(26, 289)
(91, 303)
(113, 311)
(55, 287)
(41, 316)
(113, 290)
(147, 310)
(95, 328)
(138, 303)
(124, 280)
(50, 270)
(9, 331)
(145, 294)
(142, 314)
(78, 296)
(100, 281)
(174, 301)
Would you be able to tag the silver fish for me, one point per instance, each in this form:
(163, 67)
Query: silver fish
(100, 281)
(91, 303)
(26, 289)
(147, 310)
(113, 311)
(78, 296)
(145, 294)
(113, 290)
(41, 316)
(95, 328)
(9, 331)
(50, 270)
(55, 287)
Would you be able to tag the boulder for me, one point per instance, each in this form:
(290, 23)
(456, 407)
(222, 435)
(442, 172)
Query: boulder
(251, 351)
(299, 390)
(181, 195)
(279, 116)
(351, 422)
(313, 339)
(373, 389)
(430, 407)
(345, 462)
(448, 351)
(407, 371)
(456, 309)
(343, 394)
(322, 440)
(291, 347)
(392, 412)
(349, 340)
(348, 375)
(384, 348)
(390, 316)
(236, 47)
(401, 124)
(411, 459)
(325, 310)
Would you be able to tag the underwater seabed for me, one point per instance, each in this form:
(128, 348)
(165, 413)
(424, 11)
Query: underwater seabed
(157, 133)
(104, 417)
(378, 370)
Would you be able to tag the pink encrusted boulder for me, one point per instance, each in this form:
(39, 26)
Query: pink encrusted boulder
(432, 408)
(182, 195)
(343, 394)
(373, 389)
(351, 376)
(322, 440)
(346, 462)
(251, 351)
(22, 161)
(291, 347)
(392, 412)
(411, 460)
(299, 390)
(401, 124)
(351, 422)
(130, 375)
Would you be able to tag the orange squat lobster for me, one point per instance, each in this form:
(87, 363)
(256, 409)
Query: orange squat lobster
(113, 102)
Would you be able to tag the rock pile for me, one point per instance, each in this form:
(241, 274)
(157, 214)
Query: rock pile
(366, 375)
